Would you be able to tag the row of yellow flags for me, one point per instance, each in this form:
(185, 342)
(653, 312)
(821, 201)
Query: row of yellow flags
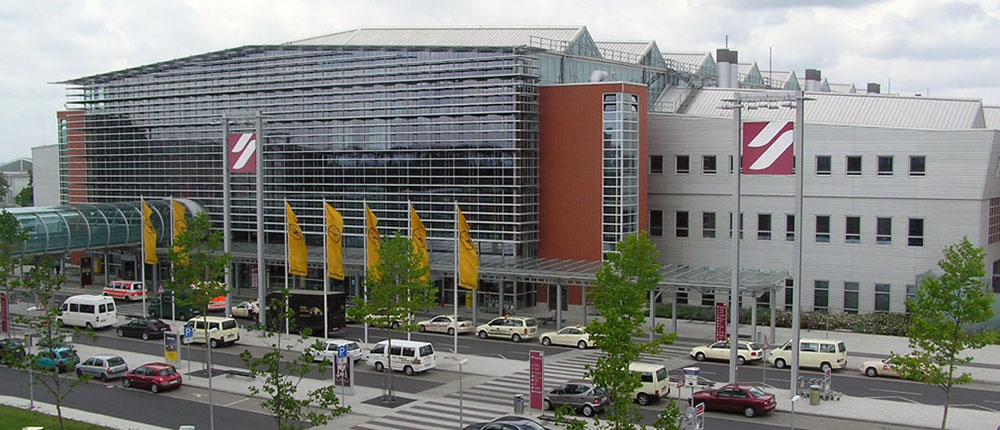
(149, 233)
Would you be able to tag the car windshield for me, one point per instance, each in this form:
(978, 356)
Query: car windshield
(530, 322)
(463, 319)
(228, 325)
(841, 347)
(528, 425)
(661, 374)
(66, 354)
(166, 372)
(115, 361)
(756, 345)
(426, 350)
(757, 392)
(353, 346)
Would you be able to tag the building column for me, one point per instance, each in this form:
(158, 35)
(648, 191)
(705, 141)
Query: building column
(673, 311)
(753, 316)
(583, 294)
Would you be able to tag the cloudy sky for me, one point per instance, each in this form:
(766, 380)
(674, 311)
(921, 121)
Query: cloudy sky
(941, 48)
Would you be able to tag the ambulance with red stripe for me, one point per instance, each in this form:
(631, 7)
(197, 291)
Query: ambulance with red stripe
(125, 290)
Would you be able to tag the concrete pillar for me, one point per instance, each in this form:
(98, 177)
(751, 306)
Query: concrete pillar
(774, 311)
(583, 293)
(500, 302)
(753, 316)
(558, 306)
(673, 311)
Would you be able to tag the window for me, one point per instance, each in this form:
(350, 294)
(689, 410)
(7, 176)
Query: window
(853, 165)
(823, 228)
(682, 297)
(993, 228)
(882, 292)
(789, 298)
(789, 227)
(821, 296)
(708, 225)
(823, 165)
(683, 164)
(911, 294)
(707, 299)
(853, 230)
(885, 165)
(917, 165)
(656, 223)
(708, 164)
(996, 276)
(809, 347)
(682, 224)
(883, 231)
(730, 164)
(851, 297)
(916, 236)
(763, 226)
(86, 309)
(655, 164)
(827, 348)
(741, 226)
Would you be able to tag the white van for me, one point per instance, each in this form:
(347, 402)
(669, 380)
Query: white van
(409, 356)
(88, 311)
(222, 330)
(655, 382)
(125, 290)
(820, 354)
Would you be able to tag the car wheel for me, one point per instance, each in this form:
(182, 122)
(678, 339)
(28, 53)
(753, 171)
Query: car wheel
(128, 299)
(516, 337)
(215, 343)
(104, 377)
(546, 405)
(126, 383)
(379, 367)
(451, 332)
(408, 371)
(154, 388)
(581, 344)
(871, 372)
(421, 328)
(825, 366)
(642, 399)
(588, 411)
(145, 336)
(483, 334)
(779, 363)
(119, 332)
(749, 412)
(79, 373)
(699, 357)
(740, 360)
(546, 341)
(395, 325)
(90, 326)
(59, 322)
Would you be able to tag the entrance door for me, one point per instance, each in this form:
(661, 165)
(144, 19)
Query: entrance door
(552, 297)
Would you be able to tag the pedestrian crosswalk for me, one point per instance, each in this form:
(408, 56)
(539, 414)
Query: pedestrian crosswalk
(496, 397)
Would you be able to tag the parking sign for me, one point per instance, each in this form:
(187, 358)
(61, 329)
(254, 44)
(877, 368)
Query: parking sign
(342, 351)
(188, 332)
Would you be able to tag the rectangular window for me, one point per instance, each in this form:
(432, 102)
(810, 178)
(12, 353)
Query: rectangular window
(790, 227)
(853, 165)
(916, 235)
(996, 276)
(707, 299)
(882, 293)
(885, 165)
(763, 226)
(883, 231)
(917, 165)
(993, 228)
(730, 164)
(708, 225)
(823, 228)
(655, 164)
(708, 164)
(682, 297)
(789, 298)
(851, 297)
(853, 230)
(682, 224)
(821, 296)
(683, 164)
(656, 223)
(823, 165)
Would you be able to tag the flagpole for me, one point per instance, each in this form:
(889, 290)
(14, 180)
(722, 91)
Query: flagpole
(227, 243)
(326, 274)
(457, 280)
(142, 234)
(173, 235)
(261, 264)
(364, 270)
(286, 260)
(409, 227)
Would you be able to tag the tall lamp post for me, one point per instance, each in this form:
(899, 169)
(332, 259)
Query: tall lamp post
(461, 407)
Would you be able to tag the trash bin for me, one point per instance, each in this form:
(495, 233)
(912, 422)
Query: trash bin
(814, 395)
(518, 404)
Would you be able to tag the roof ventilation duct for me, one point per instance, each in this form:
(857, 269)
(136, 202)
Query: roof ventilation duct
(722, 67)
(813, 80)
(734, 73)
(874, 88)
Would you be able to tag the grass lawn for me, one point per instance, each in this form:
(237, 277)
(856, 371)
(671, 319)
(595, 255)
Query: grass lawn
(15, 419)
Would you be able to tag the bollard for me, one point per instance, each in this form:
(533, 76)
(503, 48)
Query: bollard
(814, 395)
(518, 404)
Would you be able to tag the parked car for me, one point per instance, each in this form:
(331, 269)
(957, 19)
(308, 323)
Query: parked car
(153, 376)
(883, 367)
(125, 290)
(508, 422)
(446, 324)
(654, 382)
(746, 351)
(60, 358)
(581, 394)
(509, 327)
(11, 350)
(575, 335)
(409, 356)
(748, 399)
(144, 328)
(88, 311)
(103, 366)
(222, 331)
(815, 353)
(248, 310)
(330, 350)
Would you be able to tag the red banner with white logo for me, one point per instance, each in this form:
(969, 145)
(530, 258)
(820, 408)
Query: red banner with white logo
(536, 365)
(767, 148)
(720, 321)
(243, 153)
(3, 311)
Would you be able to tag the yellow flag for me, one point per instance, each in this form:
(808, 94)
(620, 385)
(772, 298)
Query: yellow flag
(148, 235)
(180, 226)
(374, 240)
(468, 259)
(297, 253)
(418, 235)
(334, 246)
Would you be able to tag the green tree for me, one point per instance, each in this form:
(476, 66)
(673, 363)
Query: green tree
(48, 333)
(940, 314)
(395, 290)
(4, 188)
(621, 297)
(25, 198)
(280, 380)
(12, 238)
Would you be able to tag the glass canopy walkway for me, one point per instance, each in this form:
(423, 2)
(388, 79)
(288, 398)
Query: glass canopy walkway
(64, 229)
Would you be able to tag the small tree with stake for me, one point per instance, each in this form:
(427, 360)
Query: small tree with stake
(280, 380)
(939, 316)
(396, 289)
(12, 238)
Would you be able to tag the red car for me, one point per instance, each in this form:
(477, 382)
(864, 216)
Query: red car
(154, 376)
(748, 399)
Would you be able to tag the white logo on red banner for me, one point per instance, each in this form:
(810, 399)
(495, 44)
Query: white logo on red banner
(767, 148)
(243, 153)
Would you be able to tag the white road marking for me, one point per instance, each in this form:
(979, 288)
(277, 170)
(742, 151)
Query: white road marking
(896, 392)
(992, 401)
(236, 402)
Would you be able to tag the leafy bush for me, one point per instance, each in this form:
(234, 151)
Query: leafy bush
(871, 323)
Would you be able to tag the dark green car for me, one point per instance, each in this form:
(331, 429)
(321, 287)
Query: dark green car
(160, 307)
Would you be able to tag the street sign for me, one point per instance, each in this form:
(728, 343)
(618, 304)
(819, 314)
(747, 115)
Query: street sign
(720, 321)
(828, 373)
(700, 408)
(342, 351)
(691, 376)
(188, 333)
(536, 360)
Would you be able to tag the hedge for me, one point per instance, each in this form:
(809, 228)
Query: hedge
(871, 323)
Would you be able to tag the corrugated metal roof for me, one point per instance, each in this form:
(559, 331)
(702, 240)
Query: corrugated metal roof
(695, 58)
(854, 109)
(447, 36)
(638, 48)
(843, 88)
(991, 115)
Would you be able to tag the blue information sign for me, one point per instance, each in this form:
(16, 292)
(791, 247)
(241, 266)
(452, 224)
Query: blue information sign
(188, 332)
(342, 351)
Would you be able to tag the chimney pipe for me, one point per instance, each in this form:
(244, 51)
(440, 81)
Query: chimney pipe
(874, 88)
(734, 75)
(812, 80)
(722, 67)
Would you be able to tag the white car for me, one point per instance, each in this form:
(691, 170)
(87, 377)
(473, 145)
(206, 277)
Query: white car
(575, 335)
(446, 324)
(746, 351)
(329, 350)
(246, 310)
(510, 327)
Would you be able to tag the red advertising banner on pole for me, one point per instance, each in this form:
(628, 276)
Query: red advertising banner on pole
(767, 148)
(243, 153)
(720, 321)
(3, 310)
(536, 360)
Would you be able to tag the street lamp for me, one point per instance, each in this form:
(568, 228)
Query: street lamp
(461, 423)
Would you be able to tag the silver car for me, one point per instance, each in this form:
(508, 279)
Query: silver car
(104, 366)
(581, 394)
